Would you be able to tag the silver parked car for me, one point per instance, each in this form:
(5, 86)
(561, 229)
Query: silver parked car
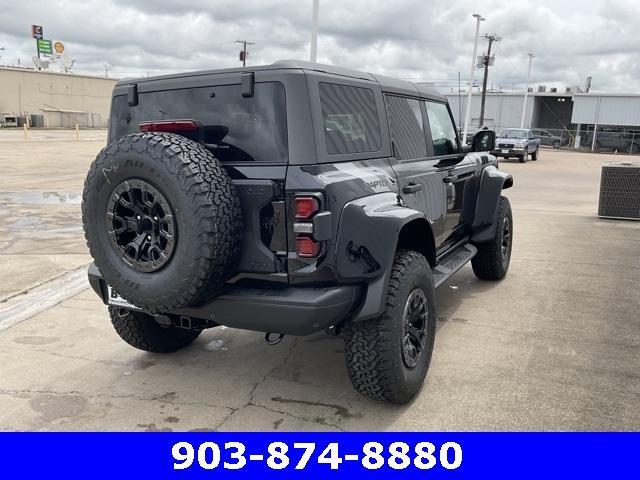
(518, 143)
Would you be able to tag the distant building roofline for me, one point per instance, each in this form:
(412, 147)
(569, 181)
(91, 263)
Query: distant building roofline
(31, 70)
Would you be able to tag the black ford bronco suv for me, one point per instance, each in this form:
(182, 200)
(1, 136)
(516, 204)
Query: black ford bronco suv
(290, 199)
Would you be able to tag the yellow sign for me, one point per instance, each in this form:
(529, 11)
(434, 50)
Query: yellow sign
(58, 47)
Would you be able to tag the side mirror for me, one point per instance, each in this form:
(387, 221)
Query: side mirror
(484, 141)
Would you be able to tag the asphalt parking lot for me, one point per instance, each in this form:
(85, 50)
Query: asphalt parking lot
(555, 346)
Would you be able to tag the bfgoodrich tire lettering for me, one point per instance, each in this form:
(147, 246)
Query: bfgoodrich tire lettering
(206, 213)
(377, 366)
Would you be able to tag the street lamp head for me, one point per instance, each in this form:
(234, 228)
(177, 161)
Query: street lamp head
(479, 17)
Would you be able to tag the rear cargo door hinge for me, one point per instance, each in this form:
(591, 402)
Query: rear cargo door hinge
(281, 264)
(278, 190)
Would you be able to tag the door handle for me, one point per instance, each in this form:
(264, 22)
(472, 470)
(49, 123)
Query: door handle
(412, 188)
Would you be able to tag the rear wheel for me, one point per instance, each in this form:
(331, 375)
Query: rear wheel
(556, 144)
(388, 357)
(142, 332)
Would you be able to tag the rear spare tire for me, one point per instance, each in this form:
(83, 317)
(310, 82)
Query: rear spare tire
(162, 220)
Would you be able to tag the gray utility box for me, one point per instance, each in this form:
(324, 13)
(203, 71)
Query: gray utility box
(620, 191)
(37, 121)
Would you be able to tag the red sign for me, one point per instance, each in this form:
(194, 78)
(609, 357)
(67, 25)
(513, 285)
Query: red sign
(36, 31)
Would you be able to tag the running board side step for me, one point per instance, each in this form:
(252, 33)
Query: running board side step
(452, 263)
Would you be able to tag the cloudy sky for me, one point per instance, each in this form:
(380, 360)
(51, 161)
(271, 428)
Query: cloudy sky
(422, 40)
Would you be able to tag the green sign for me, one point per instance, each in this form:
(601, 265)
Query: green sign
(44, 46)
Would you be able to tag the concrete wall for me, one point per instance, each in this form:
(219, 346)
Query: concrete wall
(63, 99)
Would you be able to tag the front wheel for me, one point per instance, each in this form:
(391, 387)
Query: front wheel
(493, 257)
(141, 331)
(388, 357)
(536, 154)
(524, 156)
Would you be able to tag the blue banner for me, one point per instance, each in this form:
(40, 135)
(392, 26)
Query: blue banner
(319, 455)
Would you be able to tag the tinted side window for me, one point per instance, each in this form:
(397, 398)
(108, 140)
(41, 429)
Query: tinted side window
(443, 133)
(244, 128)
(405, 123)
(350, 119)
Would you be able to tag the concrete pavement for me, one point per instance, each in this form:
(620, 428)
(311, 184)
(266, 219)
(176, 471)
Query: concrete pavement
(555, 346)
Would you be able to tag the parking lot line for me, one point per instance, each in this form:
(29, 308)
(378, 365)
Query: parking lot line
(39, 299)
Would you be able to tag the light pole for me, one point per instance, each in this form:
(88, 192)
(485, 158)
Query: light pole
(2, 49)
(315, 18)
(479, 18)
(526, 91)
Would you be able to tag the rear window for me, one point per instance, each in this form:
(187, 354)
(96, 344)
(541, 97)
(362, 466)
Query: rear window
(350, 119)
(405, 123)
(246, 129)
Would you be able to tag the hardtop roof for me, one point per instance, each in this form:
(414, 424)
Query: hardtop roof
(389, 84)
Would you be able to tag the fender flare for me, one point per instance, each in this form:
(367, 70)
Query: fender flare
(492, 182)
(368, 234)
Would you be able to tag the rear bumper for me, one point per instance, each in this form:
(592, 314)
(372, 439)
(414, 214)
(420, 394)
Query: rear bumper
(281, 309)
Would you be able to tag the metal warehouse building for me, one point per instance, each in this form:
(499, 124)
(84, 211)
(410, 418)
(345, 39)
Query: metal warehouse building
(615, 117)
(59, 99)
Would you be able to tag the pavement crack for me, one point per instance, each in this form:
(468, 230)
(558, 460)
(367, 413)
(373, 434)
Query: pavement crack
(268, 374)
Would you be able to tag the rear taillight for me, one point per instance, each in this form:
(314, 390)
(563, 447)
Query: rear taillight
(168, 126)
(306, 246)
(305, 207)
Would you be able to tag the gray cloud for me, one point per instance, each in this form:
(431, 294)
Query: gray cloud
(414, 39)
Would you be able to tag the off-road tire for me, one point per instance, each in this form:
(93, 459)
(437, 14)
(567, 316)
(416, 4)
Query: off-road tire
(489, 263)
(206, 213)
(373, 348)
(534, 155)
(142, 332)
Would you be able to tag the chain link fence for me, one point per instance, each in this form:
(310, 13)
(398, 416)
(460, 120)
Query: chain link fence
(606, 141)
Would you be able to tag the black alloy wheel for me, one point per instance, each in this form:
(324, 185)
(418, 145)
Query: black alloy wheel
(140, 225)
(415, 327)
(505, 247)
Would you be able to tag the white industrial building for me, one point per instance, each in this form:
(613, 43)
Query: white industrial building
(54, 99)
(574, 114)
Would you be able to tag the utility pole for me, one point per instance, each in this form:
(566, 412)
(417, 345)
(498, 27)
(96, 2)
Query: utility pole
(479, 18)
(244, 53)
(315, 19)
(526, 91)
(486, 61)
